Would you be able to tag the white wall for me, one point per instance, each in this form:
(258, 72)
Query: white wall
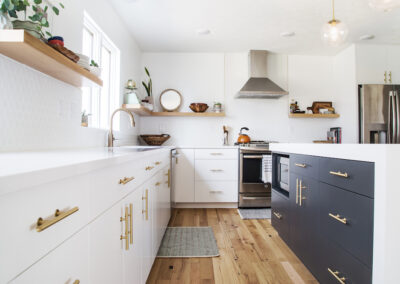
(40, 112)
(206, 77)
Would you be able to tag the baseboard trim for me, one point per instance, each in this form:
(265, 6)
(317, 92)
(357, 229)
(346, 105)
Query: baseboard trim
(206, 205)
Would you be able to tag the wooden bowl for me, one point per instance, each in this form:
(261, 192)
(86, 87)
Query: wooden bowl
(155, 140)
(198, 107)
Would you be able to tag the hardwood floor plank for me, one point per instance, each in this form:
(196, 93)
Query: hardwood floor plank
(251, 251)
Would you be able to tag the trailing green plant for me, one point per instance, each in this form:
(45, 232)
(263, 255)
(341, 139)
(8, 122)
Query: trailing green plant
(40, 15)
(12, 7)
(93, 63)
(149, 85)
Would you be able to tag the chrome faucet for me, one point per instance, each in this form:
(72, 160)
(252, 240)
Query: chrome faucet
(111, 135)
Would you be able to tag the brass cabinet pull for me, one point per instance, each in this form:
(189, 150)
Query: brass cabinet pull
(149, 168)
(337, 218)
(390, 77)
(301, 187)
(131, 223)
(169, 178)
(277, 215)
(339, 174)
(77, 281)
(146, 197)
(157, 163)
(301, 165)
(158, 183)
(216, 154)
(297, 190)
(216, 170)
(125, 180)
(341, 280)
(44, 224)
(126, 220)
(385, 77)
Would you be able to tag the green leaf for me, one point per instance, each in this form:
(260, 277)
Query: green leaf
(34, 8)
(45, 9)
(37, 2)
(13, 14)
(147, 71)
(49, 34)
(56, 11)
(147, 89)
(62, 5)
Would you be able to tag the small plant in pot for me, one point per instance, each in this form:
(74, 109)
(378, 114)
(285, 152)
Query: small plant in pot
(10, 8)
(149, 88)
(95, 68)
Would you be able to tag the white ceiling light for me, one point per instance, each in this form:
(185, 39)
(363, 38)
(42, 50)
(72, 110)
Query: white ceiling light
(288, 34)
(203, 31)
(384, 5)
(367, 37)
(334, 32)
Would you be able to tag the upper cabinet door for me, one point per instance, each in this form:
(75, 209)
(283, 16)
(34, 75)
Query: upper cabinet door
(393, 54)
(183, 176)
(371, 64)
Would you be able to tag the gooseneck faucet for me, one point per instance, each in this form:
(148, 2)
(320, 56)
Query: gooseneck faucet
(111, 135)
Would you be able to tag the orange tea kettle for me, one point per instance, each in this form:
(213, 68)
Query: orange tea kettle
(243, 138)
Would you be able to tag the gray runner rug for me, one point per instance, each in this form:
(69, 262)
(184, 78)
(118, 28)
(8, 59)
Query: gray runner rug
(262, 213)
(188, 242)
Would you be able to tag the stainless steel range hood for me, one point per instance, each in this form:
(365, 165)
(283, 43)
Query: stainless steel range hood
(259, 86)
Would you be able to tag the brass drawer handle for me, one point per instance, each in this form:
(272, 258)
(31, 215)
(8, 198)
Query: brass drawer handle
(277, 215)
(216, 191)
(77, 281)
(157, 163)
(131, 223)
(126, 221)
(337, 218)
(216, 170)
(341, 280)
(339, 174)
(44, 224)
(146, 197)
(149, 168)
(297, 190)
(158, 183)
(301, 197)
(301, 165)
(216, 154)
(125, 180)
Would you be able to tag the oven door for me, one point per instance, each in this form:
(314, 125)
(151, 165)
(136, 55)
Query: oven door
(251, 174)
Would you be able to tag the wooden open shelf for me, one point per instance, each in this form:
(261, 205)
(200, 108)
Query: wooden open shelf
(142, 111)
(309, 115)
(26, 49)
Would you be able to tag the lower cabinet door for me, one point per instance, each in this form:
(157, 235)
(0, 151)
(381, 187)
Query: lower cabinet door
(280, 217)
(132, 258)
(147, 227)
(105, 261)
(68, 263)
(304, 228)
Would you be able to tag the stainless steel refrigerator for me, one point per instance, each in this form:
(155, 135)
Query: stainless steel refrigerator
(379, 115)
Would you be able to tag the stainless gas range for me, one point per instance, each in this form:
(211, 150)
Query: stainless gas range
(255, 174)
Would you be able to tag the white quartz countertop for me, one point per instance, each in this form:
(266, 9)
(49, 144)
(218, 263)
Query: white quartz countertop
(31, 168)
(207, 147)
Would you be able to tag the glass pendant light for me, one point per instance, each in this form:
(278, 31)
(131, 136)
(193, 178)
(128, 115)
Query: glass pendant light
(334, 32)
(384, 5)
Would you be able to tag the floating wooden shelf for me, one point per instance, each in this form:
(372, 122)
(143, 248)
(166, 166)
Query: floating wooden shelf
(309, 115)
(26, 49)
(140, 110)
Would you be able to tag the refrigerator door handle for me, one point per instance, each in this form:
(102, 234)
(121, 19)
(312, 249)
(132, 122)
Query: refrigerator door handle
(396, 98)
(389, 125)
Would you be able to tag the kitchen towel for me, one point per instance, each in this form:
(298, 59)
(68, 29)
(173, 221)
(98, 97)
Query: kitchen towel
(267, 168)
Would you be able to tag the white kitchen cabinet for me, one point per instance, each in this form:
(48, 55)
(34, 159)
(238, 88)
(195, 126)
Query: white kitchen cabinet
(216, 170)
(216, 191)
(378, 64)
(147, 228)
(66, 264)
(184, 176)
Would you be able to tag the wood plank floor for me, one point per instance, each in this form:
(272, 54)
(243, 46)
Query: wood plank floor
(250, 252)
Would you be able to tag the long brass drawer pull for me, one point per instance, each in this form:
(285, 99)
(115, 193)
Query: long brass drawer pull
(77, 282)
(301, 165)
(337, 218)
(44, 224)
(216, 191)
(341, 280)
(125, 180)
(157, 163)
(216, 170)
(126, 237)
(297, 190)
(146, 197)
(131, 223)
(216, 154)
(149, 168)
(277, 215)
(301, 198)
(339, 174)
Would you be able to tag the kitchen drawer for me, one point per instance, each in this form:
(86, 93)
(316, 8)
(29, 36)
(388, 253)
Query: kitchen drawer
(280, 207)
(66, 264)
(338, 260)
(216, 191)
(304, 165)
(357, 234)
(216, 170)
(355, 176)
(20, 243)
(216, 154)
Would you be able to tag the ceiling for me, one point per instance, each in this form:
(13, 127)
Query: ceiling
(241, 25)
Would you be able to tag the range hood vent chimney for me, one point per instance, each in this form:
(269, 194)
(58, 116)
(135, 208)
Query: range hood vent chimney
(259, 86)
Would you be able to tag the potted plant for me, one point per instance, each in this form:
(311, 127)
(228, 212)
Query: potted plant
(9, 8)
(149, 87)
(95, 68)
(85, 119)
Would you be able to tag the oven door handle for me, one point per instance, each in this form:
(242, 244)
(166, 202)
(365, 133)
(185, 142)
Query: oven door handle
(252, 157)
(254, 198)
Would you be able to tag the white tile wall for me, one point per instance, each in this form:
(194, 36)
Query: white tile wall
(38, 112)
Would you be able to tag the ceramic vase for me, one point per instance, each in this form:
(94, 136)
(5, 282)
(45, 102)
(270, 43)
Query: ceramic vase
(5, 22)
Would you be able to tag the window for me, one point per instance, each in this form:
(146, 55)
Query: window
(100, 102)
